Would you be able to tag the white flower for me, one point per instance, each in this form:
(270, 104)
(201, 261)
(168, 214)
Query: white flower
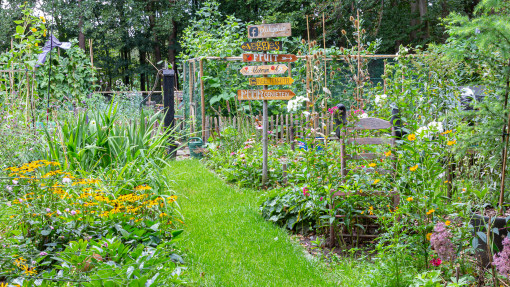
(363, 116)
(66, 180)
(294, 104)
(467, 92)
(379, 99)
(276, 239)
(92, 122)
(435, 126)
(422, 130)
(15, 182)
(306, 114)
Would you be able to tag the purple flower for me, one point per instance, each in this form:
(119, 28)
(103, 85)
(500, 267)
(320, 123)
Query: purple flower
(502, 259)
(48, 210)
(66, 210)
(105, 244)
(66, 180)
(15, 182)
(442, 243)
(73, 212)
(8, 204)
(58, 212)
(20, 200)
(51, 227)
(9, 188)
(43, 253)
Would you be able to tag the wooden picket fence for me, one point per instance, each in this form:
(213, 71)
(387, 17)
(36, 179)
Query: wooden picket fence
(283, 128)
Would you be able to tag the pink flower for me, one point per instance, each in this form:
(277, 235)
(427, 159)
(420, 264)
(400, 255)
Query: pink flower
(58, 212)
(43, 253)
(259, 127)
(332, 110)
(73, 212)
(502, 259)
(105, 244)
(320, 199)
(436, 262)
(51, 227)
(233, 153)
(305, 191)
(48, 210)
(67, 210)
(8, 204)
(442, 243)
(20, 200)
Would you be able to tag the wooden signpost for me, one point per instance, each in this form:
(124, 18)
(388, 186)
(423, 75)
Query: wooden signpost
(262, 46)
(265, 94)
(271, 81)
(269, 58)
(266, 31)
(263, 70)
(269, 30)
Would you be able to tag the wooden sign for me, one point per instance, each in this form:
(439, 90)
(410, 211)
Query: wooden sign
(271, 81)
(269, 58)
(263, 70)
(265, 94)
(262, 46)
(269, 30)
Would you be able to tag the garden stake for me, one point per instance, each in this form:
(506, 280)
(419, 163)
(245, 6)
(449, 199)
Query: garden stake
(505, 150)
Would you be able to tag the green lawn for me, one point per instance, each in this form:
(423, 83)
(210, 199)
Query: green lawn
(228, 243)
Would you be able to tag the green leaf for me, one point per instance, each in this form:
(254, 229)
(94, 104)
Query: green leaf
(20, 30)
(45, 232)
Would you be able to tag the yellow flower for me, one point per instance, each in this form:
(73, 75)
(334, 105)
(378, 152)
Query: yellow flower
(464, 189)
(388, 153)
(45, 36)
(376, 181)
(34, 30)
(162, 214)
(413, 168)
(43, 20)
(447, 223)
(446, 132)
(372, 164)
(428, 236)
(411, 137)
(446, 181)
(430, 211)
(36, 45)
(410, 198)
(451, 142)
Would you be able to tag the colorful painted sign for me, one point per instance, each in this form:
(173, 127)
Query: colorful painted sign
(271, 81)
(262, 46)
(269, 58)
(263, 70)
(269, 30)
(265, 94)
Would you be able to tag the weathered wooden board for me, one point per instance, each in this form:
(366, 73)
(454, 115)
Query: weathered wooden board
(269, 30)
(265, 94)
(271, 81)
(263, 70)
(269, 58)
(262, 46)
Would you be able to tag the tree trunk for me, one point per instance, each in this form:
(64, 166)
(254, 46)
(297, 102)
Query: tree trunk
(155, 41)
(142, 75)
(415, 20)
(81, 36)
(423, 7)
(172, 51)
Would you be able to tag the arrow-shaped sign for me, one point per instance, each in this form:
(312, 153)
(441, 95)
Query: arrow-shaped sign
(265, 94)
(269, 30)
(271, 81)
(269, 58)
(264, 70)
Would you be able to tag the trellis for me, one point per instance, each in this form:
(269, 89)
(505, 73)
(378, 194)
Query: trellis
(194, 109)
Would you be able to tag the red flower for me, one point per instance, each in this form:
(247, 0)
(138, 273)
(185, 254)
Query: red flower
(436, 262)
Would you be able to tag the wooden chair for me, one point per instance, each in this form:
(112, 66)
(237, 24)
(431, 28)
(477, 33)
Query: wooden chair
(346, 134)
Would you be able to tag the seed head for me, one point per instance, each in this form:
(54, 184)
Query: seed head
(344, 32)
(303, 41)
(351, 18)
(356, 23)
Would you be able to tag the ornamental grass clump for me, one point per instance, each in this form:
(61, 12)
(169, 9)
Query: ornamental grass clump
(441, 241)
(502, 259)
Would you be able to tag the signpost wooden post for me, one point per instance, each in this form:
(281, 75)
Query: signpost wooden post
(269, 30)
(266, 31)
(263, 70)
(271, 81)
(285, 58)
(262, 46)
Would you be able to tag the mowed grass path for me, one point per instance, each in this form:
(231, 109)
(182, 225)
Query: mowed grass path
(227, 242)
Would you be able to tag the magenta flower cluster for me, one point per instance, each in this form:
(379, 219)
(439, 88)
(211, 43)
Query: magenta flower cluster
(441, 241)
(305, 191)
(502, 259)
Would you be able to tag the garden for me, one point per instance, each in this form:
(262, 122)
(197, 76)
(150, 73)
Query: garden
(348, 163)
